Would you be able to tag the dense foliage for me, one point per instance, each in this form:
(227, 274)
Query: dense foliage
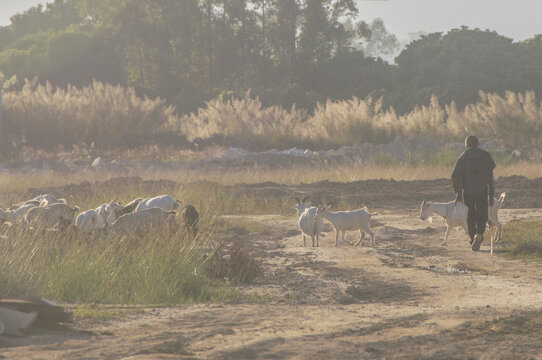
(285, 51)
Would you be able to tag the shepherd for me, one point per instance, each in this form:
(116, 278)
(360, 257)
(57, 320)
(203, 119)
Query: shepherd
(473, 183)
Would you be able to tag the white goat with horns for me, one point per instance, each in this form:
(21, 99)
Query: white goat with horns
(455, 215)
(308, 227)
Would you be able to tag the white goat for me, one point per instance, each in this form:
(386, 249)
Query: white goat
(14, 215)
(309, 227)
(50, 216)
(144, 220)
(89, 220)
(302, 205)
(108, 211)
(164, 202)
(455, 215)
(35, 201)
(51, 201)
(359, 219)
(305, 223)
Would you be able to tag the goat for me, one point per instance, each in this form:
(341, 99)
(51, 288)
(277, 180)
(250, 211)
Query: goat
(108, 211)
(50, 216)
(51, 201)
(35, 201)
(164, 202)
(359, 219)
(307, 227)
(128, 208)
(190, 219)
(455, 215)
(302, 205)
(144, 220)
(13, 215)
(89, 220)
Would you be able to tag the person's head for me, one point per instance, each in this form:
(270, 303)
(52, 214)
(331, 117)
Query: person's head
(471, 141)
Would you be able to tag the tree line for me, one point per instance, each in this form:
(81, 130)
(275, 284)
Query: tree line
(284, 51)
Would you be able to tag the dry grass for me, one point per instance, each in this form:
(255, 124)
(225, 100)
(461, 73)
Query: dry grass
(112, 117)
(514, 120)
(99, 115)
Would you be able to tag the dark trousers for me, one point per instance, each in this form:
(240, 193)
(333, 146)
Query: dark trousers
(477, 219)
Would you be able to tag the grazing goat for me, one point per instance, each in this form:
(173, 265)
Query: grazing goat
(50, 216)
(190, 219)
(16, 214)
(144, 221)
(35, 201)
(89, 220)
(128, 208)
(164, 202)
(359, 219)
(455, 215)
(108, 211)
(51, 201)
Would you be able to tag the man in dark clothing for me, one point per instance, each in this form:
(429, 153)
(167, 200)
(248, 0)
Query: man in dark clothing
(473, 182)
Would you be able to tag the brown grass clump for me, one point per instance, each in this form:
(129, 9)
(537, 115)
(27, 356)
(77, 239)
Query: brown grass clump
(107, 116)
(243, 121)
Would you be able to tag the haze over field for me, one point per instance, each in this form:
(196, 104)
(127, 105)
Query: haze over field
(515, 19)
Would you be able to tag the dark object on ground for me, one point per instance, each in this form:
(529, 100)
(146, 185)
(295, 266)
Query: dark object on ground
(48, 313)
(190, 219)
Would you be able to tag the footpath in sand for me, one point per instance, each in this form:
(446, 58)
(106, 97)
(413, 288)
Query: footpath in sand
(406, 298)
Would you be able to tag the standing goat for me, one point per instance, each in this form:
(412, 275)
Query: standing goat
(359, 219)
(455, 215)
(306, 223)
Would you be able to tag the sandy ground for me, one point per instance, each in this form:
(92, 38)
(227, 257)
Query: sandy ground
(406, 298)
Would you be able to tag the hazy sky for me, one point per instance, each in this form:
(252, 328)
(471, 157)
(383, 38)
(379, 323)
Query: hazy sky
(518, 19)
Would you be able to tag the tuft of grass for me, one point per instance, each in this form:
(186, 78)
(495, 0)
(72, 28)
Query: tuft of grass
(99, 115)
(523, 238)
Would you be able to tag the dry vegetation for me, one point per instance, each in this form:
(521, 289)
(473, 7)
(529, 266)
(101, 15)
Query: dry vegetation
(158, 268)
(100, 115)
(115, 117)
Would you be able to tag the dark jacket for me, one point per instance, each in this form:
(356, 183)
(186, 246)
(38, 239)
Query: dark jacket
(473, 173)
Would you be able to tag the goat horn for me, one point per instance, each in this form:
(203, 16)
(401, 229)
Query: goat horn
(305, 198)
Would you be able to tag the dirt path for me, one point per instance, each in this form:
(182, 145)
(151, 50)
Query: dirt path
(406, 298)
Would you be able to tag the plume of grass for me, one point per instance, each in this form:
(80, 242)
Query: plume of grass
(243, 120)
(101, 114)
(349, 122)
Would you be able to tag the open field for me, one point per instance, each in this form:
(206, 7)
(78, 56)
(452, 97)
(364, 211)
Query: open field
(407, 297)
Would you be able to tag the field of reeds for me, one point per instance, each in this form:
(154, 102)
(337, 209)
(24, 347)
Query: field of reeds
(111, 117)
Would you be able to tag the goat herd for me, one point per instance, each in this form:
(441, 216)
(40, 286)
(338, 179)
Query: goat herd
(140, 215)
(47, 211)
(455, 215)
